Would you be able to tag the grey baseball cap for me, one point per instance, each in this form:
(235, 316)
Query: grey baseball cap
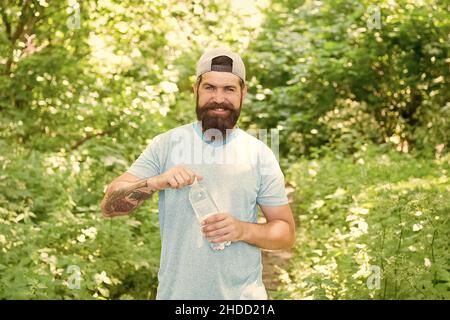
(206, 63)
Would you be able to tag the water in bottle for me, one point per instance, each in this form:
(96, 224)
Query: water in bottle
(204, 206)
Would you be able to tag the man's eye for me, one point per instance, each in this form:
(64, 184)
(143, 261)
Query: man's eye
(209, 88)
(229, 89)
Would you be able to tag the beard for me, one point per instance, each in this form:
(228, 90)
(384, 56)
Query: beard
(219, 122)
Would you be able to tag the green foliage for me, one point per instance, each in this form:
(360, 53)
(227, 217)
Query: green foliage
(86, 85)
(313, 55)
(50, 221)
(376, 213)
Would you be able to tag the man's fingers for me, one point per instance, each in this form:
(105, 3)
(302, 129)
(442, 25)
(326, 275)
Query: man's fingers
(218, 232)
(190, 174)
(186, 178)
(215, 226)
(172, 182)
(179, 178)
(222, 238)
(215, 218)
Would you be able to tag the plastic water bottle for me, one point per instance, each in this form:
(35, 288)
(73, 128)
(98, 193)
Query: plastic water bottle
(204, 206)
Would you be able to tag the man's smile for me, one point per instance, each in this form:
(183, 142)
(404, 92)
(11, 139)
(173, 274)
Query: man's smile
(219, 111)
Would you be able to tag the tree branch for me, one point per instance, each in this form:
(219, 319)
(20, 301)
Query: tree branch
(6, 22)
(92, 135)
(22, 21)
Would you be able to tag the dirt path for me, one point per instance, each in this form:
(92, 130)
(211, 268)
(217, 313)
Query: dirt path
(274, 259)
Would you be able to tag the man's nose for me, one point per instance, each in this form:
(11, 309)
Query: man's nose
(219, 97)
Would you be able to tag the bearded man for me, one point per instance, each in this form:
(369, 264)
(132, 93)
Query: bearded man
(249, 178)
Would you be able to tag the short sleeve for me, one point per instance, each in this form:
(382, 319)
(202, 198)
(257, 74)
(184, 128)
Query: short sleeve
(148, 164)
(271, 190)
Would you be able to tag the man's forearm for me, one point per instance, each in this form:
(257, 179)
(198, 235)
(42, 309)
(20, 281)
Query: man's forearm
(273, 235)
(122, 198)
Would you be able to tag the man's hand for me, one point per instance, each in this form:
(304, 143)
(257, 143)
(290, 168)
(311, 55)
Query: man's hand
(175, 178)
(222, 227)
(276, 234)
(125, 195)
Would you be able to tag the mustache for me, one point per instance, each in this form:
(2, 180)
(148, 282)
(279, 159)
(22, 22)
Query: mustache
(220, 123)
(214, 105)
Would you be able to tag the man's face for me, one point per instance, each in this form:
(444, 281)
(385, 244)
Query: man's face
(219, 99)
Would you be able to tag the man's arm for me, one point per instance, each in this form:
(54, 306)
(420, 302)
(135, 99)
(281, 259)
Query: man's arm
(128, 192)
(125, 194)
(276, 234)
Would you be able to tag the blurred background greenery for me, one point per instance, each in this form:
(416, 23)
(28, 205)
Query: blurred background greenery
(358, 90)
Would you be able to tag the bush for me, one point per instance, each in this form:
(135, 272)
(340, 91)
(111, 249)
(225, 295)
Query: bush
(310, 56)
(377, 213)
(51, 228)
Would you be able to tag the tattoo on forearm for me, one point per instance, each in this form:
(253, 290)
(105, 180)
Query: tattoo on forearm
(124, 200)
(120, 205)
(139, 195)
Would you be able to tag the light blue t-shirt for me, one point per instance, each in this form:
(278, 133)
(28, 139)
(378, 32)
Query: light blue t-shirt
(239, 173)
